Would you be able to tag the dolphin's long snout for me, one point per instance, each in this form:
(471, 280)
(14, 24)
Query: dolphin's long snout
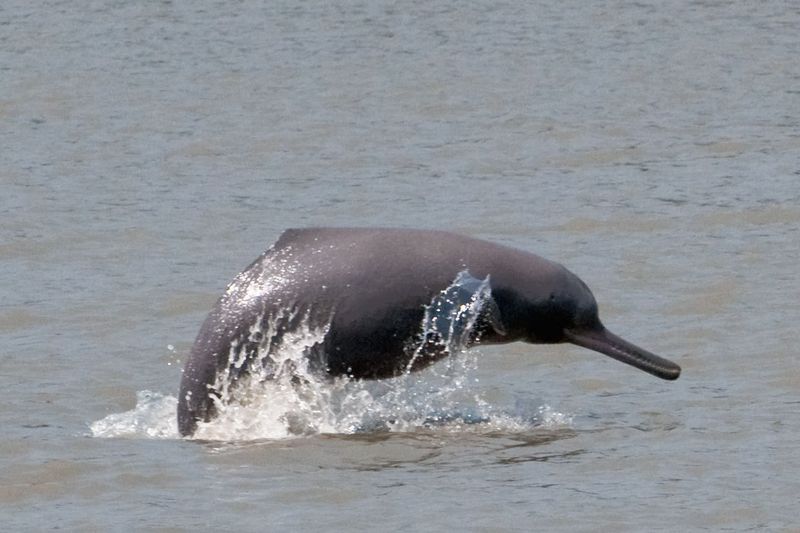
(603, 341)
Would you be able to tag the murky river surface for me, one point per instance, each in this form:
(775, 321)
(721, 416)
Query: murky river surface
(151, 150)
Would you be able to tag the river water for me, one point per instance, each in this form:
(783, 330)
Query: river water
(150, 150)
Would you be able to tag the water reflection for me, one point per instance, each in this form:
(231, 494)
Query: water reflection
(452, 451)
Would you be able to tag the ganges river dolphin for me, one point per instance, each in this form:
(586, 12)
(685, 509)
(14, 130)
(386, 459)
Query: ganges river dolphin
(389, 302)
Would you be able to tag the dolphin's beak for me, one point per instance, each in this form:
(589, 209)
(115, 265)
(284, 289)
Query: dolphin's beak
(603, 341)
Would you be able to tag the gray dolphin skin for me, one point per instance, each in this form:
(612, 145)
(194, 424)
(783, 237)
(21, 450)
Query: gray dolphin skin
(368, 289)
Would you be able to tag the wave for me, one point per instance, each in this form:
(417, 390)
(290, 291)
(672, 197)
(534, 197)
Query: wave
(442, 402)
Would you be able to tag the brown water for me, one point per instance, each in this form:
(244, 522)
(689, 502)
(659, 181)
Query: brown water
(150, 150)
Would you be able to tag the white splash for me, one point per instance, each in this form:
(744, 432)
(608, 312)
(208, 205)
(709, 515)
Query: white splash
(444, 399)
(153, 418)
(281, 397)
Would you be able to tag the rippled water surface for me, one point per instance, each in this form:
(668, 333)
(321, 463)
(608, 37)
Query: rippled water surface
(151, 150)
